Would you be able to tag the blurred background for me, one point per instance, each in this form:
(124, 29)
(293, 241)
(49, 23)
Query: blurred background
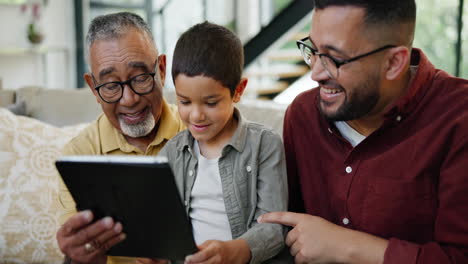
(42, 40)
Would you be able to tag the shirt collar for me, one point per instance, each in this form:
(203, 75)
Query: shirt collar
(239, 138)
(112, 138)
(416, 88)
(237, 141)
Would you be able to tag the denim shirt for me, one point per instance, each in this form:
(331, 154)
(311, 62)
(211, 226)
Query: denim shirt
(253, 178)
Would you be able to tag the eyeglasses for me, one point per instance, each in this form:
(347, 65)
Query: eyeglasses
(141, 84)
(330, 64)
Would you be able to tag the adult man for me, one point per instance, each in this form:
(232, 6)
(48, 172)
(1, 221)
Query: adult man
(127, 76)
(378, 155)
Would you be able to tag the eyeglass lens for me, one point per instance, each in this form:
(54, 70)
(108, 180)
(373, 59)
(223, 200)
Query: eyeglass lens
(140, 84)
(327, 63)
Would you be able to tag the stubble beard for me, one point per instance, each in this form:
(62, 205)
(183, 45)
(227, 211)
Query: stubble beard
(358, 103)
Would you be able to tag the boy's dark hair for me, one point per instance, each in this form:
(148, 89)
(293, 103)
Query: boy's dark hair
(378, 11)
(212, 51)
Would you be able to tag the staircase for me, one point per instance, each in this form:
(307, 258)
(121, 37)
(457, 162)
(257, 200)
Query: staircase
(268, 29)
(273, 61)
(280, 65)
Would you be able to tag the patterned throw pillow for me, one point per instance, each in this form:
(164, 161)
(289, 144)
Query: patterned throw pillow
(29, 186)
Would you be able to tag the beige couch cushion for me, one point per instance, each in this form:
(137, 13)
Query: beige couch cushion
(7, 97)
(59, 107)
(29, 188)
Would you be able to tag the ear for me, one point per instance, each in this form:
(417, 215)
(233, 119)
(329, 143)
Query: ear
(89, 80)
(162, 68)
(240, 88)
(397, 61)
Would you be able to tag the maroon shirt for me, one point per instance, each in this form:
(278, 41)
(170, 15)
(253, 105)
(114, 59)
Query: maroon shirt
(406, 182)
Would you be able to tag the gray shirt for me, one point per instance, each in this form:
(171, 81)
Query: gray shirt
(253, 177)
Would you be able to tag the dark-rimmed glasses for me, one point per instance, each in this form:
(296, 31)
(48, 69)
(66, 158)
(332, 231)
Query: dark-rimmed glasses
(329, 63)
(140, 84)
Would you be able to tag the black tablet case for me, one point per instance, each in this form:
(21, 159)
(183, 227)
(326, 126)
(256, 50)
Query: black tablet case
(141, 195)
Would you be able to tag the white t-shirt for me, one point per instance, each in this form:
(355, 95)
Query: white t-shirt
(349, 133)
(208, 212)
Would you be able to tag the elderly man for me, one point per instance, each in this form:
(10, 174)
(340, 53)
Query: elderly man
(377, 155)
(127, 76)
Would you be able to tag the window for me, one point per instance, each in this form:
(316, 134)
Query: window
(437, 33)
(464, 44)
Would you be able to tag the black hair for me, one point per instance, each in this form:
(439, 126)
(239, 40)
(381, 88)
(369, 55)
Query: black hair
(212, 51)
(378, 11)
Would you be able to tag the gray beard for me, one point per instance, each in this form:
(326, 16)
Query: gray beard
(140, 129)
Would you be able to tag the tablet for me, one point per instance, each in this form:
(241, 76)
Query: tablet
(138, 191)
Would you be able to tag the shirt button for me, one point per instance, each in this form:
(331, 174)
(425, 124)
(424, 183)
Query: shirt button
(249, 169)
(345, 221)
(349, 169)
(398, 118)
(190, 173)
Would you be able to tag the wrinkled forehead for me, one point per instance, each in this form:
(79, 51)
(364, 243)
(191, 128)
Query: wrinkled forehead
(121, 51)
(127, 42)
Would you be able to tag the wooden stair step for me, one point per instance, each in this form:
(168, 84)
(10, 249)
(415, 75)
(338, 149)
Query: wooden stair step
(277, 70)
(285, 55)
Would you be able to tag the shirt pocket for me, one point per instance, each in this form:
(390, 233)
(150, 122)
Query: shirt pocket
(400, 208)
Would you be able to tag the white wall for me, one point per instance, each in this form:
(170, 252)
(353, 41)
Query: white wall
(57, 23)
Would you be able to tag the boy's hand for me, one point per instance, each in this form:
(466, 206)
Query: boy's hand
(215, 251)
(151, 261)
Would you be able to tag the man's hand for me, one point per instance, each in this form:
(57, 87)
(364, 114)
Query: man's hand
(87, 243)
(215, 251)
(315, 240)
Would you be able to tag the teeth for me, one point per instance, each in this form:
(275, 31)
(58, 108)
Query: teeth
(330, 91)
(134, 114)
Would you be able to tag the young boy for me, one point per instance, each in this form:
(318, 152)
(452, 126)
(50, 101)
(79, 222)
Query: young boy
(229, 170)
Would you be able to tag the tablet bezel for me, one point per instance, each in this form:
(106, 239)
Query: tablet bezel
(140, 192)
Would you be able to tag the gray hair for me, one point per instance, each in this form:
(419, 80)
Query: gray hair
(114, 26)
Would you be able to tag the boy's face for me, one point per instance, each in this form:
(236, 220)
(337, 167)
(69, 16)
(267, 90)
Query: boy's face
(206, 107)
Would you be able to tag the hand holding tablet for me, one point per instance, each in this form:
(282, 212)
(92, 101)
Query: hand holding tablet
(137, 191)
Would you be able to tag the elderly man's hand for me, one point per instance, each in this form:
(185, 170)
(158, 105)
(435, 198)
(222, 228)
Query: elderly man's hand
(84, 242)
(315, 240)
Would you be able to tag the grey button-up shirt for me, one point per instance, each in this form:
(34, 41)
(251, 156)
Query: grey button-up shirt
(253, 178)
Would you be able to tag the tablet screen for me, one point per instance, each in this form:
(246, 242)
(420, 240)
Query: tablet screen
(138, 191)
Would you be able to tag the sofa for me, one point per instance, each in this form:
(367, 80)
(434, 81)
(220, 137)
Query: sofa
(35, 124)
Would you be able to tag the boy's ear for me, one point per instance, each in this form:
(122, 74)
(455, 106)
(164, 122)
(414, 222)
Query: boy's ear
(240, 90)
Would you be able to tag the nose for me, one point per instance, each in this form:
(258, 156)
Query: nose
(197, 114)
(319, 73)
(129, 97)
